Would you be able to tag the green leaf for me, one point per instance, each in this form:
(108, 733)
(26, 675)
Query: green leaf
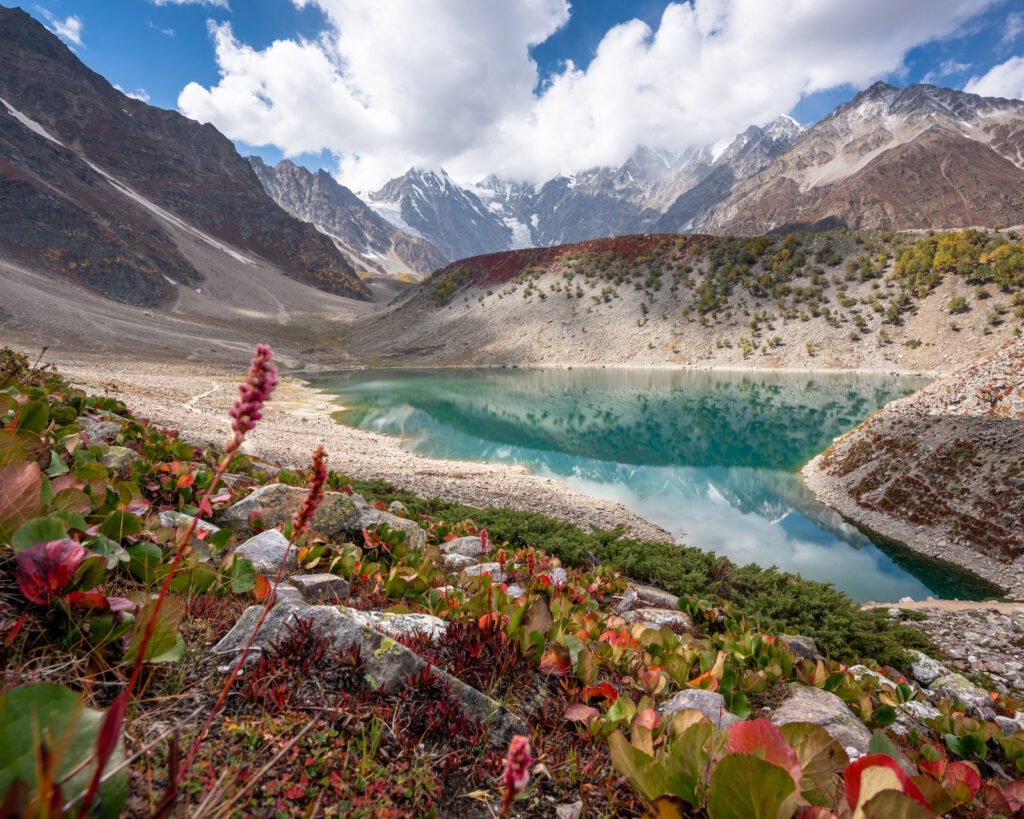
(197, 579)
(10, 447)
(745, 787)
(110, 549)
(72, 519)
(143, 558)
(884, 715)
(218, 540)
(90, 573)
(34, 416)
(104, 629)
(58, 466)
(57, 715)
(688, 760)
(894, 805)
(119, 524)
(242, 576)
(821, 757)
(646, 775)
(33, 531)
(165, 632)
(881, 744)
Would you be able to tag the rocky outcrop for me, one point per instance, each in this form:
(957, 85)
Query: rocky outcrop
(814, 705)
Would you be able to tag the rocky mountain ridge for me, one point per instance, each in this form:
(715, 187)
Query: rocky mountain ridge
(369, 242)
(100, 189)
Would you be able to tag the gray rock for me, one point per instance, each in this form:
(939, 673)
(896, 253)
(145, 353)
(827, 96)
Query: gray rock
(457, 562)
(321, 588)
(479, 569)
(659, 598)
(119, 458)
(387, 663)
(177, 520)
(658, 618)
(396, 507)
(957, 687)
(466, 546)
(514, 590)
(1009, 726)
(925, 669)
(99, 432)
(806, 704)
(912, 715)
(574, 810)
(710, 703)
(401, 625)
(801, 646)
(861, 672)
(338, 513)
(286, 591)
(415, 536)
(558, 576)
(266, 551)
(629, 599)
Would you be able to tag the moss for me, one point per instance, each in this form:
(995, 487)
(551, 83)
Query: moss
(386, 645)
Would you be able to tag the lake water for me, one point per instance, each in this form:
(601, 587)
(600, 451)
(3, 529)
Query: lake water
(711, 457)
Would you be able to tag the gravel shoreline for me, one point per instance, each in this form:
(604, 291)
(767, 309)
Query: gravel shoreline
(195, 399)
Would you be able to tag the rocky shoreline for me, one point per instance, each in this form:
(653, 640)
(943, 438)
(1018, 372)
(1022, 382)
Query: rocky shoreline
(958, 445)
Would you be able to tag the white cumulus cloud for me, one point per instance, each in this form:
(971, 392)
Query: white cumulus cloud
(138, 94)
(220, 3)
(69, 29)
(451, 82)
(1004, 80)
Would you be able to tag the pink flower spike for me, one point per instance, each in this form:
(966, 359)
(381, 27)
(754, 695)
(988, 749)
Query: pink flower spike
(517, 765)
(256, 391)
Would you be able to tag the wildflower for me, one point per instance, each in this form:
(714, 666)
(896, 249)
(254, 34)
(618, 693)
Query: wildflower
(517, 770)
(483, 541)
(315, 484)
(256, 390)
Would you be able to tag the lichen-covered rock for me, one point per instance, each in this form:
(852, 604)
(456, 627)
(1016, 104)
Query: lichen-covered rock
(862, 672)
(801, 646)
(912, 715)
(173, 520)
(99, 432)
(479, 569)
(629, 599)
(401, 625)
(119, 458)
(415, 536)
(558, 576)
(468, 546)
(925, 669)
(456, 562)
(658, 618)
(514, 590)
(710, 703)
(266, 551)
(337, 514)
(321, 588)
(806, 704)
(657, 598)
(396, 507)
(958, 688)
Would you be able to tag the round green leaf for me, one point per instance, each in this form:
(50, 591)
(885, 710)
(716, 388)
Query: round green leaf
(36, 530)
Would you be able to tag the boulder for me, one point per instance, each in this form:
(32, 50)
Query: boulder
(99, 432)
(321, 588)
(862, 672)
(177, 520)
(119, 458)
(396, 507)
(925, 669)
(558, 576)
(710, 703)
(338, 513)
(912, 715)
(415, 536)
(467, 546)
(658, 598)
(401, 625)
(658, 618)
(479, 569)
(958, 688)
(266, 551)
(800, 646)
(457, 562)
(806, 704)
(629, 599)
(387, 663)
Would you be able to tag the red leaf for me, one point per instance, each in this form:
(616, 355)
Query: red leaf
(87, 600)
(855, 770)
(223, 497)
(648, 718)
(580, 713)
(46, 569)
(262, 588)
(961, 772)
(555, 660)
(15, 629)
(765, 740)
(1013, 792)
(814, 812)
(20, 487)
(185, 481)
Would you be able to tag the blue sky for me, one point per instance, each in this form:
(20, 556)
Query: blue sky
(529, 88)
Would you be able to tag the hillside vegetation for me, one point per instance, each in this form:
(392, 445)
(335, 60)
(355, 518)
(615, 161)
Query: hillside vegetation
(839, 299)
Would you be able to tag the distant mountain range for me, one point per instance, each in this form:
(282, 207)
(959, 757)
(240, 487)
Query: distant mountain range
(917, 157)
(107, 191)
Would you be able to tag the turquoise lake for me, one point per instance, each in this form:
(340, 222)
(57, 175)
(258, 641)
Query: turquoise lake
(713, 457)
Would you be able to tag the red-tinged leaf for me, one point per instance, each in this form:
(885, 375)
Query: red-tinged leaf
(765, 740)
(46, 569)
(706, 681)
(1013, 792)
(120, 604)
(958, 772)
(262, 588)
(555, 660)
(15, 629)
(873, 774)
(20, 499)
(608, 692)
(993, 799)
(137, 509)
(106, 744)
(580, 713)
(68, 481)
(223, 497)
(648, 718)
(185, 481)
(87, 600)
(201, 534)
(935, 769)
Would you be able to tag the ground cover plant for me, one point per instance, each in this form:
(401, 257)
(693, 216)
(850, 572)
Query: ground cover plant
(111, 704)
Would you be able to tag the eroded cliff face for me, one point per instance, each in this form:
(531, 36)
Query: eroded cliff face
(94, 181)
